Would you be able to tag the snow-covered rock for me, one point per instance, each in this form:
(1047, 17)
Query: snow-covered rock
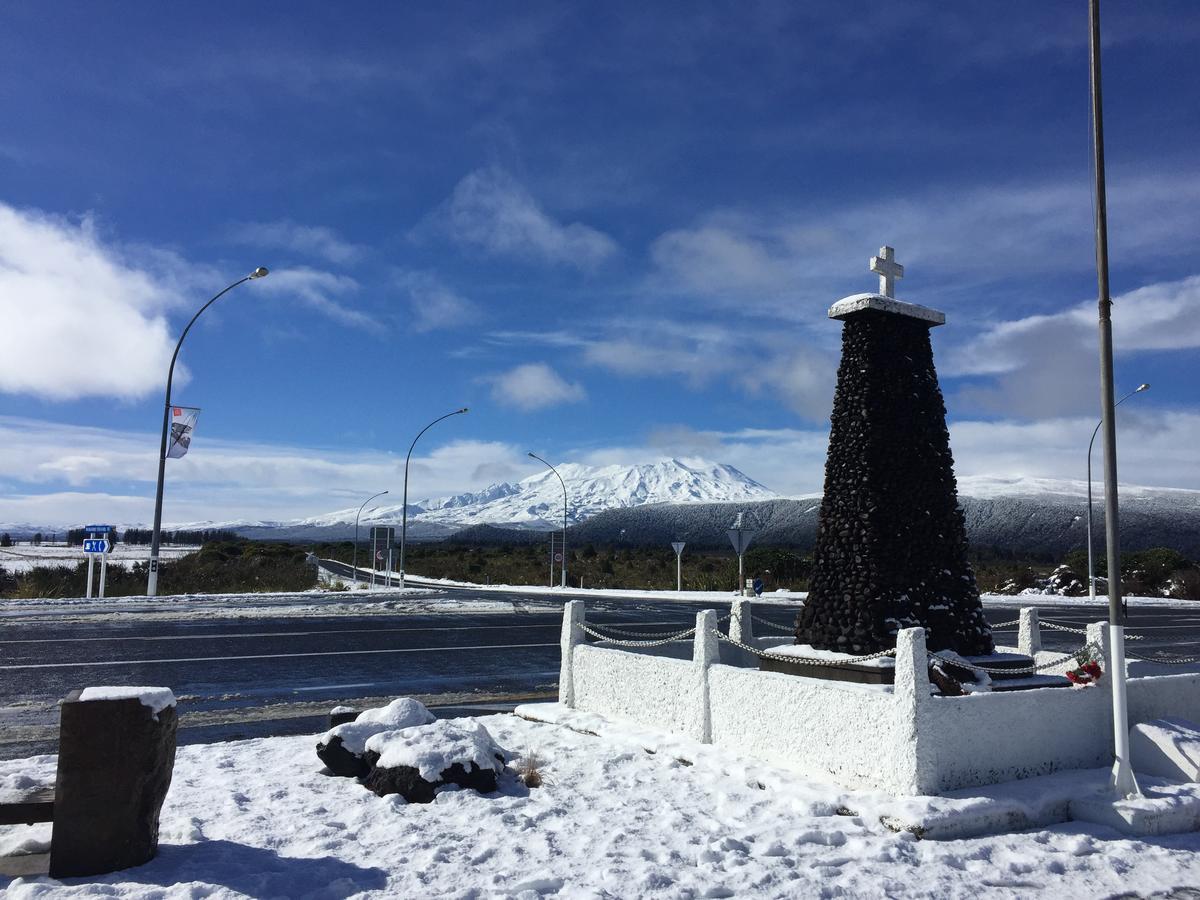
(414, 762)
(341, 748)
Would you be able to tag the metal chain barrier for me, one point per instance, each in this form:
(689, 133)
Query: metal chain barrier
(1022, 670)
(666, 639)
(786, 629)
(1165, 660)
(1053, 626)
(1006, 624)
(803, 660)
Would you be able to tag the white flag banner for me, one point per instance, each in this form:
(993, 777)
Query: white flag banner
(183, 423)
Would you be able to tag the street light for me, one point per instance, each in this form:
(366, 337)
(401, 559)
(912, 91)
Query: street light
(404, 505)
(152, 583)
(360, 509)
(1091, 568)
(564, 537)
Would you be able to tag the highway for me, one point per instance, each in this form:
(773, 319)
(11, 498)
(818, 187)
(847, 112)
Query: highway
(242, 677)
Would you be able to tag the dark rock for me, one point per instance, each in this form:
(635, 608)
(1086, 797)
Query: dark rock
(408, 783)
(341, 761)
(891, 546)
(115, 760)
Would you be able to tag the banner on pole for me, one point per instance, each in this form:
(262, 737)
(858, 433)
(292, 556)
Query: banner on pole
(183, 423)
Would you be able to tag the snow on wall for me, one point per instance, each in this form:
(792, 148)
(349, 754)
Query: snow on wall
(657, 691)
(827, 730)
(899, 739)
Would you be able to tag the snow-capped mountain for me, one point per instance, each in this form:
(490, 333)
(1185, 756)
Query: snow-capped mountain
(537, 501)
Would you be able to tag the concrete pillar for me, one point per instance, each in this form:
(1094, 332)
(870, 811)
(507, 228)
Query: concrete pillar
(741, 627)
(1097, 633)
(1029, 634)
(705, 652)
(572, 636)
(916, 755)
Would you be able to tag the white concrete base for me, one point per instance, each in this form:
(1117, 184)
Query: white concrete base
(1164, 809)
(1168, 747)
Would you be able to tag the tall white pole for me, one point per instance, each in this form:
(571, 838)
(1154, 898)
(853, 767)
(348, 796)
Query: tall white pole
(1122, 782)
(91, 565)
(564, 530)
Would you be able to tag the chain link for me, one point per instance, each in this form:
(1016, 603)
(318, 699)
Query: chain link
(664, 639)
(1006, 624)
(1166, 660)
(786, 629)
(1022, 670)
(803, 660)
(1053, 626)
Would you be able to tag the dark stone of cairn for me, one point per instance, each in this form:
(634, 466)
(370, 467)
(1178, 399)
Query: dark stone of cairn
(891, 547)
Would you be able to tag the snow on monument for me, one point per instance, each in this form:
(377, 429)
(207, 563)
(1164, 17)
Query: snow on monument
(891, 547)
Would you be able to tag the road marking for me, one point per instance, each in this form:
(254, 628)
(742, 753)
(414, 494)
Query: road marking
(190, 659)
(271, 634)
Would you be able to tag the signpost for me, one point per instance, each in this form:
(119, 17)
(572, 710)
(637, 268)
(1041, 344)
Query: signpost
(678, 546)
(97, 544)
(382, 537)
(741, 537)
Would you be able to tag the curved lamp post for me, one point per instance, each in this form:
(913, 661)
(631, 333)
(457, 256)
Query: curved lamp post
(1091, 568)
(404, 503)
(152, 583)
(360, 509)
(564, 537)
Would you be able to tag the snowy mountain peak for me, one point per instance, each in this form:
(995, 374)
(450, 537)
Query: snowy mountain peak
(537, 501)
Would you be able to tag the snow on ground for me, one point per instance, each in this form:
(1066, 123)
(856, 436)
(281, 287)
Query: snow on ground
(23, 557)
(787, 598)
(257, 818)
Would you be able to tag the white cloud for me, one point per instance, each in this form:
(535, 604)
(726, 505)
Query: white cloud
(794, 264)
(322, 291)
(1046, 365)
(49, 480)
(310, 240)
(534, 386)
(80, 319)
(491, 210)
(434, 305)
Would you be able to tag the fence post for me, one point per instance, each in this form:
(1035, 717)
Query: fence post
(705, 652)
(741, 627)
(572, 636)
(917, 770)
(1029, 635)
(1097, 633)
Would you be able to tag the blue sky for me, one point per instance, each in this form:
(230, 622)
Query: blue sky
(612, 230)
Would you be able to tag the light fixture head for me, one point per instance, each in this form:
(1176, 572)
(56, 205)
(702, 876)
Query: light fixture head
(464, 409)
(531, 454)
(260, 272)
(1142, 387)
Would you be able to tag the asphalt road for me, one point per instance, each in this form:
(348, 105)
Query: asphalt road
(280, 675)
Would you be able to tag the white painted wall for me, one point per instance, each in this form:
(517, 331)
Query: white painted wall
(786, 721)
(900, 740)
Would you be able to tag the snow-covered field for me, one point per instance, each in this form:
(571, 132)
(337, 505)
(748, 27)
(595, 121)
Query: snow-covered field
(23, 557)
(258, 818)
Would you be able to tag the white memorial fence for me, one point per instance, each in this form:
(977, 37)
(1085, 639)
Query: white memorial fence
(896, 738)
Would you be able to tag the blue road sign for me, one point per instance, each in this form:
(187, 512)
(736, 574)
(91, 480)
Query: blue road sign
(97, 545)
(98, 529)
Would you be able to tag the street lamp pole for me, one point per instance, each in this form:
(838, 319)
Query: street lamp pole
(564, 537)
(360, 509)
(152, 582)
(1095, 431)
(404, 502)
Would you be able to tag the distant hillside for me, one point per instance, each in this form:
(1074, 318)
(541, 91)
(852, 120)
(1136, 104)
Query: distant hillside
(1048, 523)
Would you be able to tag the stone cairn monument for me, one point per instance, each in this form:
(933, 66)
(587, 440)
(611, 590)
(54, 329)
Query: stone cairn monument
(891, 548)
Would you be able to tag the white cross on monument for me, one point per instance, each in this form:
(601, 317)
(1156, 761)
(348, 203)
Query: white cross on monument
(889, 270)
